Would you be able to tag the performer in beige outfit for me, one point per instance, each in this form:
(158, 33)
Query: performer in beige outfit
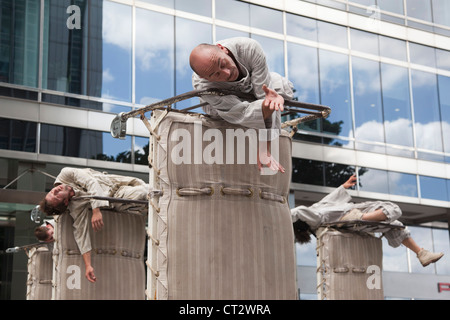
(337, 206)
(239, 64)
(73, 183)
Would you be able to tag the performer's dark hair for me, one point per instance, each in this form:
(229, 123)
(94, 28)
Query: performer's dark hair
(50, 210)
(302, 232)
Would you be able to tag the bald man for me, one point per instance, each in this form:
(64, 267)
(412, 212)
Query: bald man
(239, 64)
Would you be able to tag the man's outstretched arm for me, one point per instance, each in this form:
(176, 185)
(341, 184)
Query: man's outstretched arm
(89, 269)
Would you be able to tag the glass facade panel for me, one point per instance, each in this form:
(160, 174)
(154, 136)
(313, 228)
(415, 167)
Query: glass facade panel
(304, 76)
(395, 6)
(19, 42)
(301, 27)
(141, 150)
(393, 48)
(441, 244)
(274, 50)
(307, 171)
(116, 42)
(306, 253)
(396, 108)
(225, 33)
(373, 180)
(94, 59)
(423, 55)
(201, 7)
(186, 40)
(335, 92)
(433, 188)
(426, 111)
(233, 11)
(441, 12)
(367, 97)
(272, 21)
(419, 9)
(155, 61)
(402, 184)
(82, 143)
(114, 150)
(443, 59)
(165, 3)
(421, 236)
(364, 41)
(332, 34)
(17, 135)
(444, 100)
(394, 259)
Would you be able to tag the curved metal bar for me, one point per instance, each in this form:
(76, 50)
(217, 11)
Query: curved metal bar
(118, 125)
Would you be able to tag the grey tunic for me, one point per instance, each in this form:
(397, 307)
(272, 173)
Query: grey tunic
(87, 182)
(336, 204)
(252, 62)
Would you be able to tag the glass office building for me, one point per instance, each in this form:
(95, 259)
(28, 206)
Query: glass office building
(67, 67)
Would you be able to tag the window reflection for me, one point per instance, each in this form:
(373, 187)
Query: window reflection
(402, 184)
(433, 188)
(320, 173)
(373, 180)
(441, 12)
(233, 11)
(422, 236)
(395, 6)
(441, 244)
(392, 48)
(165, 3)
(274, 51)
(444, 99)
(117, 36)
(225, 33)
(335, 92)
(186, 40)
(155, 60)
(443, 59)
(367, 97)
(301, 27)
(202, 7)
(272, 21)
(423, 55)
(426, 111)
(419, 9)
(17, 135)
(306, 253)
(67, 55)
(333, 34)
(19, 43)
(141, 148)
(83, 143)
(364, 41)
(304, 72)
(116, 150)
(394, 259)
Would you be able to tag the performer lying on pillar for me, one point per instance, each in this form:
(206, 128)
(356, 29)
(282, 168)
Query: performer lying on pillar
(44, 233)
(336, 206)
(239, 64)
(72, 182)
